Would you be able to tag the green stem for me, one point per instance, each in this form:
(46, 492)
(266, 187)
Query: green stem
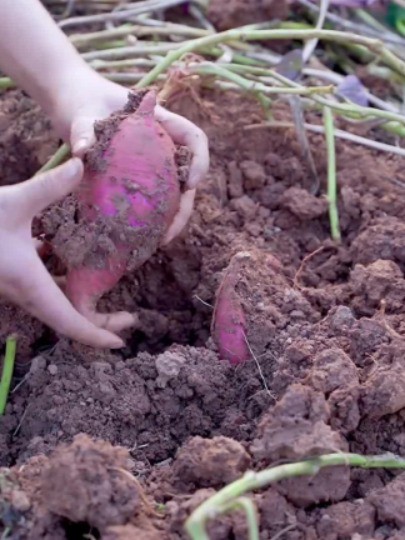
(122, 64)
(311, 45)
(59, 156)
(6, 533)
(141, 49)
(332, 184)
(246, 34)
(345, 135)
(374, 45)
(395, 128)
(6, 83)
(197, 530)
(83, 40)
(195, 525)
(348, 109)
(247, 506)
(253, 86)
(7, 374)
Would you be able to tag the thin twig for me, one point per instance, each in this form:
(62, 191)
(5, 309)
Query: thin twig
(302, 136)
(310, 46)
(335, 78)
(341, 134)
(304, 261)
(140, 489)
(203, 301)
(129, 11)
(332, 183)
(388, 37)
(140, 49)
(296, 104)
(281, 533)
(17, 429)
(118, 64)
(259, 367)
(21, 383)
(346, 109)
(324, 74)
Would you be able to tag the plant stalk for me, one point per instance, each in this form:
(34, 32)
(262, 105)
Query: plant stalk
(7, 373)
(212, 507)
(374, 45)
(332, 184)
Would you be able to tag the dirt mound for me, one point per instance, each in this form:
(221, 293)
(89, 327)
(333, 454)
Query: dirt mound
(84, 488)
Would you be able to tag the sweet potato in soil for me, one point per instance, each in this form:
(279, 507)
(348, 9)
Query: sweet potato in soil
(325, 331)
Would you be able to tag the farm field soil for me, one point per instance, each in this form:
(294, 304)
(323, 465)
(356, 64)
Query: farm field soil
(325, 324)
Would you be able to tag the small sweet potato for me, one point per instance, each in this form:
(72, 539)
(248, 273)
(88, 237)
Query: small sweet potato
(229, 322)
(254, 303)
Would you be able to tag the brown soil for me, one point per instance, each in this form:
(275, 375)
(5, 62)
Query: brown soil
(325, 326)
(234, 13)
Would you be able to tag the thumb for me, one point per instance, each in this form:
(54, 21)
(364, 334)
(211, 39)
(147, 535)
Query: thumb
(82, 135)
(49, 187)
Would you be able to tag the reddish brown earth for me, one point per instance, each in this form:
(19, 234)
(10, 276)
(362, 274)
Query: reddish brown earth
(325, 326)
(234, 13)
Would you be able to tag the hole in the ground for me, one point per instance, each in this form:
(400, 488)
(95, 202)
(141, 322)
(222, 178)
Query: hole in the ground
(79, 531)
(47, 340)
(139, 342)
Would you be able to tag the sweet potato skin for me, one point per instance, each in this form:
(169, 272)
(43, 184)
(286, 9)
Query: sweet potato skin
(134, 193)
(229, 322)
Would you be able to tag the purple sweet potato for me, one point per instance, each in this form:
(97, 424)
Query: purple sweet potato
(255, 301)
(229, 322)
(130, 195)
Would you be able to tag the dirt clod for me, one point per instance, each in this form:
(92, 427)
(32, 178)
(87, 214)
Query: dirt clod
(210, 462)
(82, 480)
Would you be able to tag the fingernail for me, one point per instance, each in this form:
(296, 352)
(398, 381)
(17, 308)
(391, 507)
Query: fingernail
(193, 181)
(81, 146)
(74, 166)
(117, 344)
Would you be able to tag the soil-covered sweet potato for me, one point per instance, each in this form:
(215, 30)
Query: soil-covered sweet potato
(128, 199)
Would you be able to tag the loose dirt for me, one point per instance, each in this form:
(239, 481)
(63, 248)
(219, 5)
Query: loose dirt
(325, 325)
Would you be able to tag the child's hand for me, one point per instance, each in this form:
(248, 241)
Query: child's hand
(76, 111)
(24, 279)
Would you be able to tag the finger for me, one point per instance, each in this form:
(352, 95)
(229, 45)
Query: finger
(114, 322)
(38, 294)
(82, 135)
(36, 194)
(38, 244)
(60, 281)
(184, 132)
(181, 218)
